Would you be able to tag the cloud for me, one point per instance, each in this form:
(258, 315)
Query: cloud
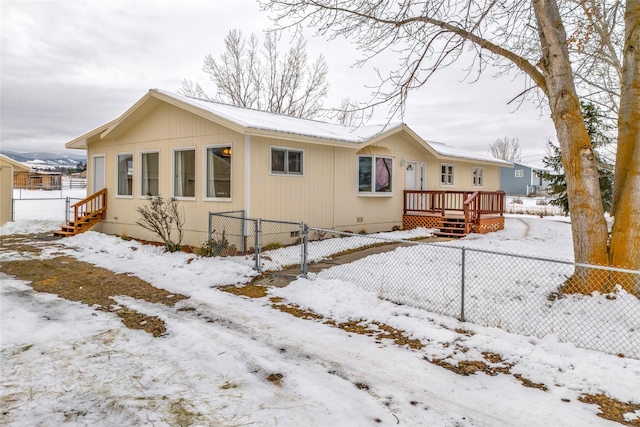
(70, 66)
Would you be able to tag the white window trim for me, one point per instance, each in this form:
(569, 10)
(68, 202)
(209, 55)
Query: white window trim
(374, 193)
(519, 175)
(481, 176)
(144, 196)
(453, 175)
(300, 150)
(117, 165)
(204, 174)
(173, 172)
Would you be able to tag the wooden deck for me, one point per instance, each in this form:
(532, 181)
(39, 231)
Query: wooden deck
(86, 213)
(454, 213)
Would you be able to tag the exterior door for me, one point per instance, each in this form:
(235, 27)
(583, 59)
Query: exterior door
(411, 174)
(97, 177)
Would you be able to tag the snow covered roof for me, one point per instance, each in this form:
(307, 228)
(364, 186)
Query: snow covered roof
(532, 167)
(8, 161)
(250, 121)
(264, 120)
(446, 150)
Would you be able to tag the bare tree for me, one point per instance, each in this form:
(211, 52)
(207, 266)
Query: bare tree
(506, 149)
(526, 36)
(265, 79)
(349, 114)
(597, 39)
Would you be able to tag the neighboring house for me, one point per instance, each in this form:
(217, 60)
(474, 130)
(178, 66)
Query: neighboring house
(38, 180)
(522, 180)
(8, 167)
(213, 157)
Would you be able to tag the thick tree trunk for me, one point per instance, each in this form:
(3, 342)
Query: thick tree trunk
(625, 235)
(588, 225)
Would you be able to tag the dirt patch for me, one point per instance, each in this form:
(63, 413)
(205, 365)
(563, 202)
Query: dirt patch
(275, 379)
(249, 290)
(612, 409)
(377, 330)
(79, 281)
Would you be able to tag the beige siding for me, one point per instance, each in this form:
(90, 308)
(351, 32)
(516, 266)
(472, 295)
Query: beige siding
(163, 130)
(7, 169)
(372, 213)
(307, 198)
(6, 192)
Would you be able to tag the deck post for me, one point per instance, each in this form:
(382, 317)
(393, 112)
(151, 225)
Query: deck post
(462, 287)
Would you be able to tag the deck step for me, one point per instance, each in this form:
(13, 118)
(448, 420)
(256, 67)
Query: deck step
(452, 227)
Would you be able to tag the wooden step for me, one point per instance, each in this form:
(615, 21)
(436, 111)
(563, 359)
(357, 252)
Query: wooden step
(452, 227)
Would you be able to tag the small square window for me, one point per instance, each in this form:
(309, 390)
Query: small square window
(287, 161)
(446, 174)
(477, 176)
(519, 173)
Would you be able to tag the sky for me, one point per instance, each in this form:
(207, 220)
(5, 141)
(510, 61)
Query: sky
(70, 66)
(66, 362)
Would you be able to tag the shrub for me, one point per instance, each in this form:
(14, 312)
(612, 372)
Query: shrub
(218, 247)
(273, 245)
(160, 216)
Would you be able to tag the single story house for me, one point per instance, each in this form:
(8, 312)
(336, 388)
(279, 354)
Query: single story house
(8, 167)
(523, 180)
(214, 157)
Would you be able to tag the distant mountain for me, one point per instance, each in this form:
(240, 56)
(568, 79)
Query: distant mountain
(46, 160)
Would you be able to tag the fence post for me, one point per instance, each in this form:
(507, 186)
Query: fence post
(243, 233)
(305, 252)
(13, 209)
(462, 288)
(209, 231)
(66, 210)
(256, 244)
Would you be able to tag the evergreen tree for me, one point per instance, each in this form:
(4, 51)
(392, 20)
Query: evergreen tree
(558, 183)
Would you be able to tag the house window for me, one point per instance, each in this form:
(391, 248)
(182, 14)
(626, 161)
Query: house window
(519, 173)
(375, 174)
(478, 181)
(218, 172)
(184, 173)
(286, 161)
(125, 174)
(149, 173)
(446, 174)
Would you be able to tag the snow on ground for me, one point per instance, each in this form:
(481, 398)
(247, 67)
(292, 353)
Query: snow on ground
(64, 362)
(42, 206)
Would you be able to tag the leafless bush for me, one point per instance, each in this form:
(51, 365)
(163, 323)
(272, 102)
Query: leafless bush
(160, 216)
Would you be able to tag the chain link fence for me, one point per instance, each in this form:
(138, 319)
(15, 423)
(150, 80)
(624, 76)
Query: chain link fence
(592, 307)
(56, 208)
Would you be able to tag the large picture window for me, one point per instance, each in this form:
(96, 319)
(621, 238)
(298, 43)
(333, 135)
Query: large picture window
(477, 173)
(125, 174)
(184, 173)
(286, 161)
(218, 172)
(149, 174)
(446, 174)
(375, 174)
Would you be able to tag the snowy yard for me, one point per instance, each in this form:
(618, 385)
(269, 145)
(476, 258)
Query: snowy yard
(66, 362)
